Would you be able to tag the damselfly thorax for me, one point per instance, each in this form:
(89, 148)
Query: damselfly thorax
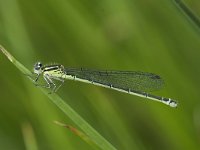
(53, 71)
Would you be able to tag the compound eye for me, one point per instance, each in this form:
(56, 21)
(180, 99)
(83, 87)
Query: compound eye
(38, 65)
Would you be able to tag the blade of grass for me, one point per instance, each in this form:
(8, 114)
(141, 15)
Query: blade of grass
(77, 132)
(29, 137)
(188, 12)
(75, 117)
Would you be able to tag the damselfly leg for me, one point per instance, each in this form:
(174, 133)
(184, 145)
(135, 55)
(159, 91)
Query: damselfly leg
(34, 77)
(55, 87)
(50, 84)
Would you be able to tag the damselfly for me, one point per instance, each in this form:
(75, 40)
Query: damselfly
(131, 82)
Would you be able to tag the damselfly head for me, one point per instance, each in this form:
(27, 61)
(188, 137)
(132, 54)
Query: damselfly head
(37, 68)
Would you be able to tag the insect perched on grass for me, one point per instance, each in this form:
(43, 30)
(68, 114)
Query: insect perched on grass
(131, 82)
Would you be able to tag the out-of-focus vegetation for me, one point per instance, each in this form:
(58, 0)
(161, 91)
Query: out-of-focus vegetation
(152, 36)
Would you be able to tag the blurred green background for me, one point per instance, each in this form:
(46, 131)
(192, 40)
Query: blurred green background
(145, 35)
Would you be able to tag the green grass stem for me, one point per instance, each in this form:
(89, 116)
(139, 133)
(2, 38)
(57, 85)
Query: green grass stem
(62, 105)
(188, 12)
